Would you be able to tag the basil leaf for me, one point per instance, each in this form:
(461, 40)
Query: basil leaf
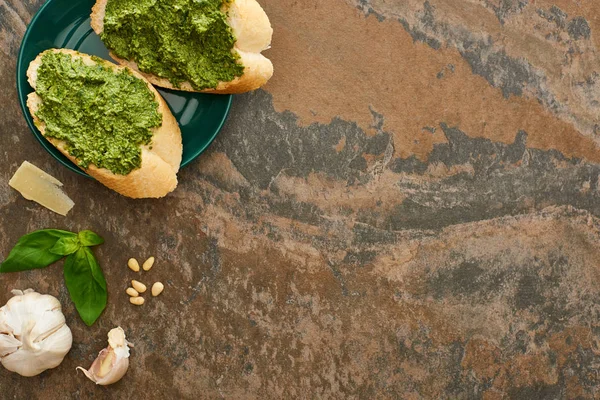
(66, 246)
(32, 251)
(86, 284)
(89, 238)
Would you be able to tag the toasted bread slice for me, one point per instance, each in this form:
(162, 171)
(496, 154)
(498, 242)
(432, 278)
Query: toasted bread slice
(253, 32)
(161, 159)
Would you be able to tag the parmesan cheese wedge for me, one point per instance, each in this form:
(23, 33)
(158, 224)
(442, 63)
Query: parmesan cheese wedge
(35, 184)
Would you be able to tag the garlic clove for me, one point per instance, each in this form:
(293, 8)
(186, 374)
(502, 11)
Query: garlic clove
(60, 341)
(22, 363)
(112, 362)
(8, 345)
(117, 340)
(107, 369)
(53, 321)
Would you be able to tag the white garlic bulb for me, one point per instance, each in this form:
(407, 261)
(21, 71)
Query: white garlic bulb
(34, 336)
(112, 362)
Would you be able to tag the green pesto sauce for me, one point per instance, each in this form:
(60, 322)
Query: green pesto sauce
(103, 116)
(180, 40)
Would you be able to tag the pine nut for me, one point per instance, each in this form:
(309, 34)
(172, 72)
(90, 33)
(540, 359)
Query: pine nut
(157, 289)
(132, 292)
(148, 264)
(139, 286)
(133, 265)
(138, 301)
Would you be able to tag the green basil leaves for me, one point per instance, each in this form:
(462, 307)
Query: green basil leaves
(89, 238)
(83, 276)
(32, 251)
(65, 246)
(86, 284)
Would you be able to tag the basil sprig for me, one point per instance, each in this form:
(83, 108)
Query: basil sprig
(83, 275)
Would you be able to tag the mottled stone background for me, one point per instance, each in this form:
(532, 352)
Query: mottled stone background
(410, 209)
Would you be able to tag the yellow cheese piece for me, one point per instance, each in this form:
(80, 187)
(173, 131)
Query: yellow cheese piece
(35, 184)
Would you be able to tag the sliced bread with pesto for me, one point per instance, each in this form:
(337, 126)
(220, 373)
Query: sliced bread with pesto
(108, 120)
(211, 46)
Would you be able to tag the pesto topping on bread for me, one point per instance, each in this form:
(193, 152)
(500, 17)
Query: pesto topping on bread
(103, 115)
(180, 40)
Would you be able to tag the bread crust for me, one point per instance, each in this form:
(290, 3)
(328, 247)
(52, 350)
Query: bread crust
(161, 159)
(253, 32)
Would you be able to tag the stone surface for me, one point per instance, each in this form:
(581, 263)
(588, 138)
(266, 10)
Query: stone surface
(409, 209)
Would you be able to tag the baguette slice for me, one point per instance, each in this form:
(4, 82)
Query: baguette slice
(157, 175)
(252, 29)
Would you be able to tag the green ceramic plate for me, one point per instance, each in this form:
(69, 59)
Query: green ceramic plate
(66, 24)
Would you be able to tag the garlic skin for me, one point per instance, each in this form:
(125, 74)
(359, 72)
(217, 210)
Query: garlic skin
(34, 336)
(112, 362)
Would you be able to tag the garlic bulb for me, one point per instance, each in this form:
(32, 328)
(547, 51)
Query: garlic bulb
(112, 362)
(33, 334)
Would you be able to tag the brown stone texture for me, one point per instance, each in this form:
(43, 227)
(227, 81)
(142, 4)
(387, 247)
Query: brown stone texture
(410, 209)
